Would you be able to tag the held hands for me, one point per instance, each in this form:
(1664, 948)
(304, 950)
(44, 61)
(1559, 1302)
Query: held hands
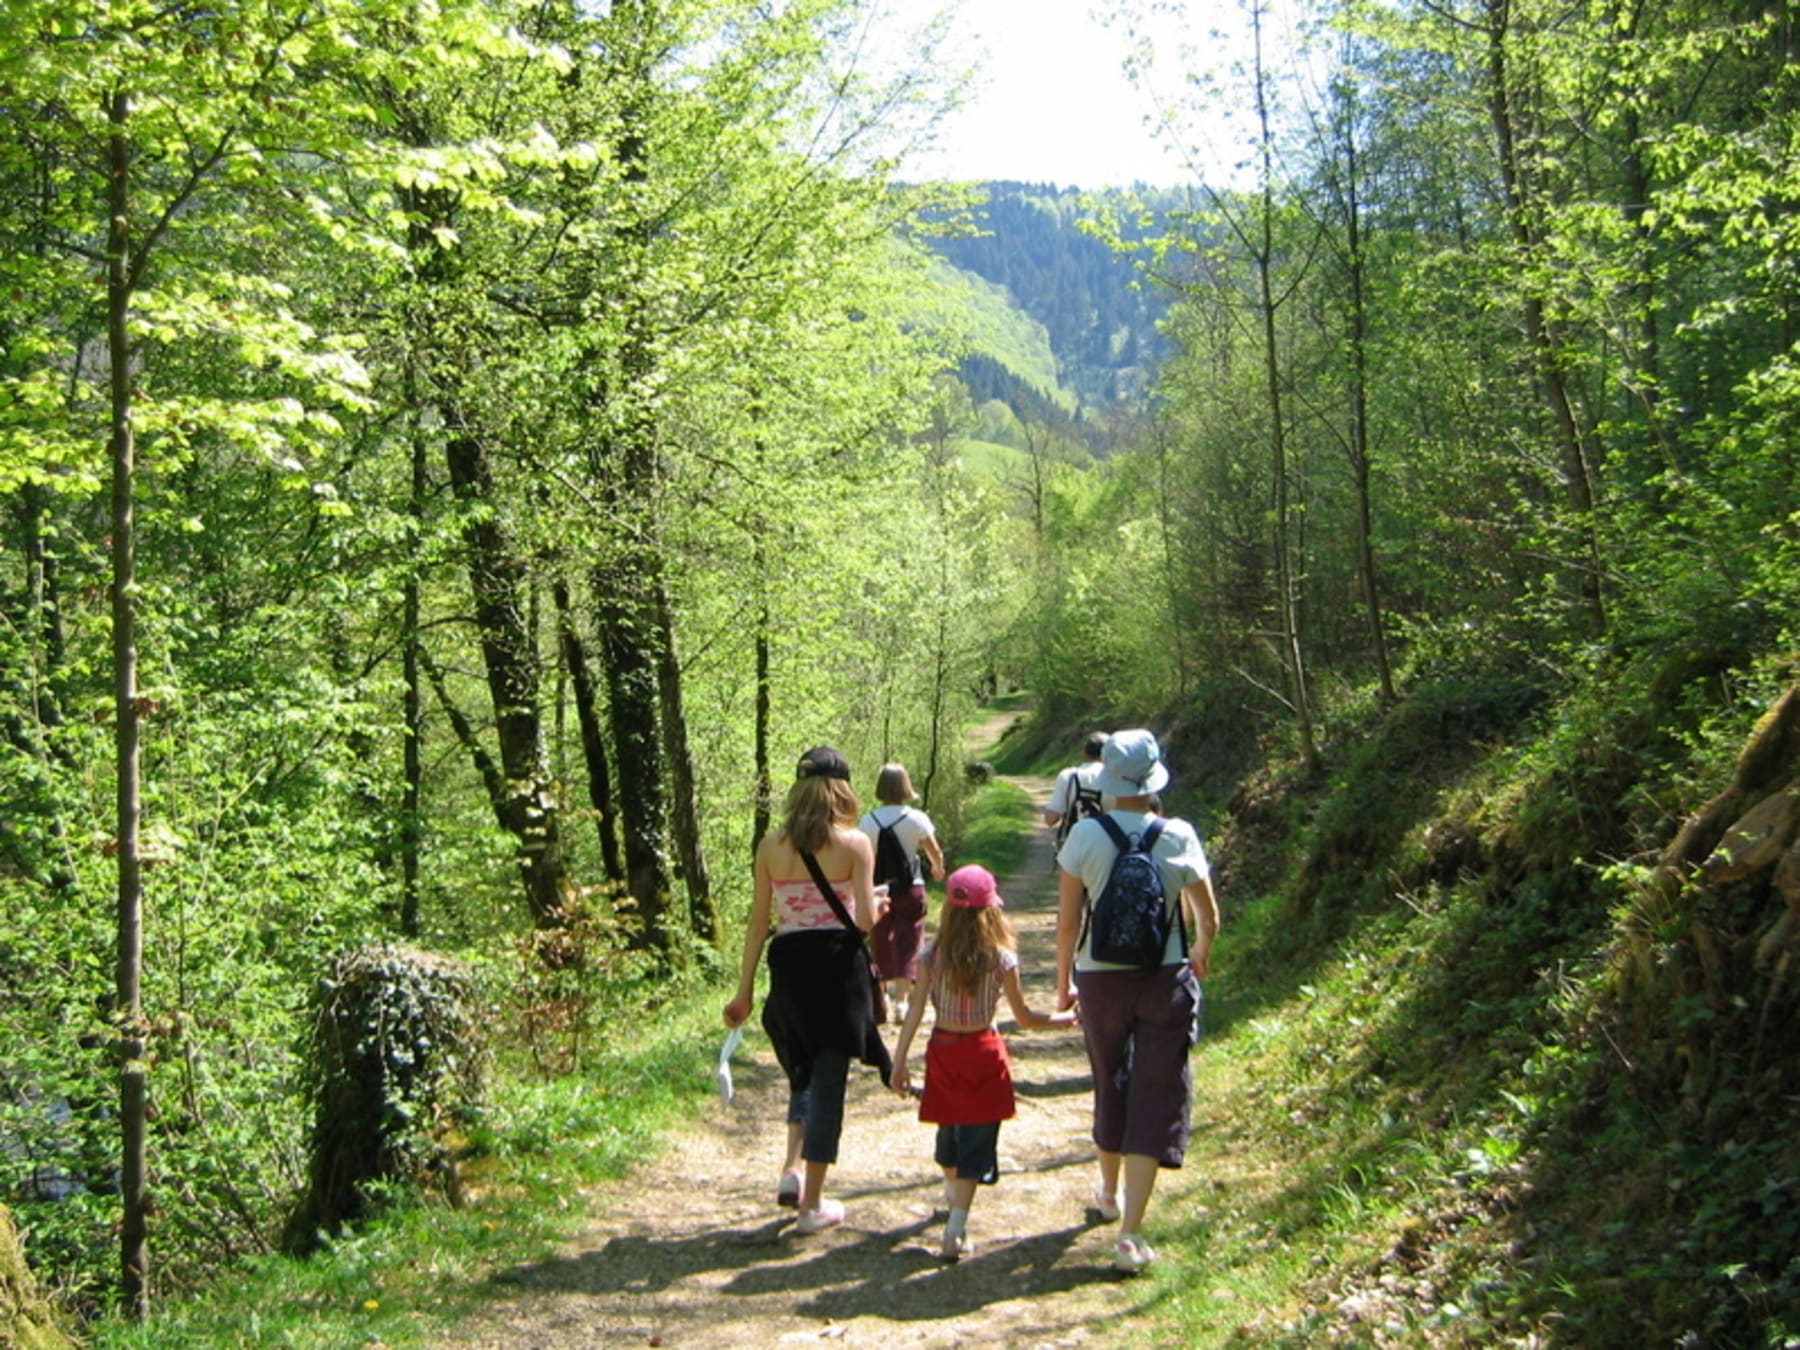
(900, 1080)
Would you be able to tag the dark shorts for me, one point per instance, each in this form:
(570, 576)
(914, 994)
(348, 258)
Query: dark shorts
(972, 1150)
(1139, 1026)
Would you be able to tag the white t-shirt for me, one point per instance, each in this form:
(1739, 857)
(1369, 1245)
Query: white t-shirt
(910, 827)
(1088, 853)
(1062, 795)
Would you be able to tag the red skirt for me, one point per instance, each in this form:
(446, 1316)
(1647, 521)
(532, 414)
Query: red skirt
(968, 1079)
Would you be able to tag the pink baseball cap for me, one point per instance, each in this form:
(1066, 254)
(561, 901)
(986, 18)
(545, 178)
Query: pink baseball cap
(973, 887)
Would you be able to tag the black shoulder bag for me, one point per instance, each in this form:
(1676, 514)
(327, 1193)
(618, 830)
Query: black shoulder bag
(877, 995)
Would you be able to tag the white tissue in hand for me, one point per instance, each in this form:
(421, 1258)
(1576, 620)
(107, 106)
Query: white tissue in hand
(722, 1075)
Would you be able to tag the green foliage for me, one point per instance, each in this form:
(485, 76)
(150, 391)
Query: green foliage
(978, 315)
(391, 1066)
(1038, 247)
(409, 1275)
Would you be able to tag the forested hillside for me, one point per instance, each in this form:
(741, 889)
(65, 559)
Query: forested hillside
(1102, 323)
(453, 459)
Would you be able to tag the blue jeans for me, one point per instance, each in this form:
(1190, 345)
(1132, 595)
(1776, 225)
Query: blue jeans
(820, 1107)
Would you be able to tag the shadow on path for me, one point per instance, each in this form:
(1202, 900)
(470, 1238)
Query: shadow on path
(691, 1250)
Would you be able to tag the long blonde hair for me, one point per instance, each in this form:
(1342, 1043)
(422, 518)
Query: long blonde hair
(815, 807)
(969, 943)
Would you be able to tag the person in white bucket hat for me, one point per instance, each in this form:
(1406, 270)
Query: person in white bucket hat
(1139, 1022)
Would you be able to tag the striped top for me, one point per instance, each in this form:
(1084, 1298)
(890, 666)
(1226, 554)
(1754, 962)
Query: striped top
(954, 1007)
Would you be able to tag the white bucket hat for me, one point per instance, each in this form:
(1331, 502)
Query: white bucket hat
(1131, 765)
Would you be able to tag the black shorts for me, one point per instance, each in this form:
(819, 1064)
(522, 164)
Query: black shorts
(973, 1150)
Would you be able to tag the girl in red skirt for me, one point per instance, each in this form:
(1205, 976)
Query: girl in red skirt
(968, 1074)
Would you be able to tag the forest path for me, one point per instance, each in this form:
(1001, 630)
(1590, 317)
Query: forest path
(692, 1250)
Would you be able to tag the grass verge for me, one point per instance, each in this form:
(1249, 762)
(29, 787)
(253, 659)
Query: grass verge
(406, 1277)
(997, 825)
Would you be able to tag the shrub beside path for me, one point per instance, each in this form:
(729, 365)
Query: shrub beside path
(692, 1250)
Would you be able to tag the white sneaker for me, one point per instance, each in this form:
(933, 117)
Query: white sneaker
(1104, 1205)
(1132, 1255)
(787, 1193)
(829, 1214)
(956, 1246)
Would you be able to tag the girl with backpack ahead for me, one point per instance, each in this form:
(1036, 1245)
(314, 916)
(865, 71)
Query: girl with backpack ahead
(894, 941)
(1139, 1021)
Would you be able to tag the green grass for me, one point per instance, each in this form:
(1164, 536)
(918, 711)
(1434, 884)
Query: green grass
(997, 826)
(421, 1267)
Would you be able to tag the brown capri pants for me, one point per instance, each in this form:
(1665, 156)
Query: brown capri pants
(1139, 1026)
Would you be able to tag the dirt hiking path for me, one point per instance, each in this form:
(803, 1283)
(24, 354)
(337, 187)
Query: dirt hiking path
(692, 1251)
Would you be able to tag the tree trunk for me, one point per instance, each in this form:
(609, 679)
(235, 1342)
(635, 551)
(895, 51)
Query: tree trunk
(765, 785)
(26, 1320)
(684, 794)
(1180, 639)
(412, 699)
(1578, 458)
(626, 621)
(627, 582)
(134, 1260)
(1293, 655)
(498, 577)
(45, 604)
(34, 714)
(593, 738)
(1360, 454)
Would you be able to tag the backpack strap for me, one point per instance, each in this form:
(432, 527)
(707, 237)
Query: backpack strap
(1153, 832)
(829, 892)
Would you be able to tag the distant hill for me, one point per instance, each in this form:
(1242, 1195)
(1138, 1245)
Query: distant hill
(1014, 348)
(1102, 329)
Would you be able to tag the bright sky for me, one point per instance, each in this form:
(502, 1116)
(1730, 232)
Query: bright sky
(1052, 102)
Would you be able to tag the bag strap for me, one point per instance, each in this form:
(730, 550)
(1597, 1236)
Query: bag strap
(829, 892)
(1113, 830)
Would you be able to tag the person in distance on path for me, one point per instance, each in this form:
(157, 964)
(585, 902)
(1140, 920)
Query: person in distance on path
(896, 938)
(1074, 796)
(1139, 1023)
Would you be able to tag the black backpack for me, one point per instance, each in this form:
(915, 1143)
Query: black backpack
(1128, 922)
(1084, 803)
(893, 864)
(1087, 801)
